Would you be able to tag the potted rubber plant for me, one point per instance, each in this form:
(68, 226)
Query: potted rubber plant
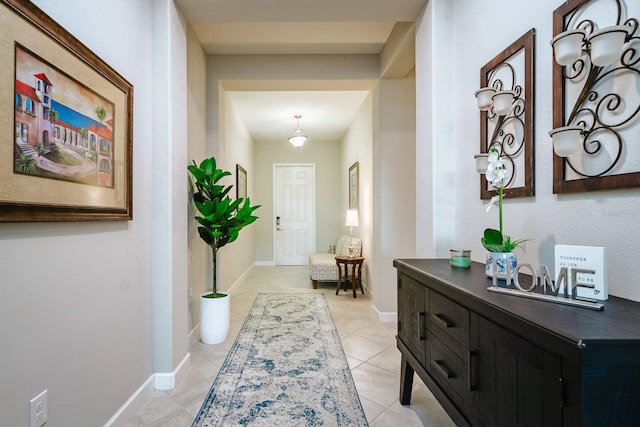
(220, 220)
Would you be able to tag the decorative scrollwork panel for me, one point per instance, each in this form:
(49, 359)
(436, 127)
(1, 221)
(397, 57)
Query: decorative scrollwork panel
(510, 130)
(597, 93)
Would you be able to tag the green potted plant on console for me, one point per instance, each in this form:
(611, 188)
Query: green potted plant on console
(220, 221)
(500, 247)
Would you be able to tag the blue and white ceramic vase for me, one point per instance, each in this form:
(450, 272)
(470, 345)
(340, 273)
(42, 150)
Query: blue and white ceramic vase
(502, 260)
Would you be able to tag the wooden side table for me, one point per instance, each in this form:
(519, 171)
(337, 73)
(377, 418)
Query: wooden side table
(355, 277)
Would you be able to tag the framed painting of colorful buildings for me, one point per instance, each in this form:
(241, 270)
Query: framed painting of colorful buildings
(66, 134)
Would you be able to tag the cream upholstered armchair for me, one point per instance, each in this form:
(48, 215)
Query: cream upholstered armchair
(323, 265)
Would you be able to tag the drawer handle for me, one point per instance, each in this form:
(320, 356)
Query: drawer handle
(423, 326)
(442, 368)
(442, 320)
(473, 370)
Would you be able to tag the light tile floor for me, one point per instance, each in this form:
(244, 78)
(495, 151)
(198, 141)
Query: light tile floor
(369, 345)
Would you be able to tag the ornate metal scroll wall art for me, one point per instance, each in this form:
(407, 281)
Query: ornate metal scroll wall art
(505, 100)
(596, 96)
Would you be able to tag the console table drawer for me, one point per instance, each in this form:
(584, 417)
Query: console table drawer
(448, 321)
(447, 368)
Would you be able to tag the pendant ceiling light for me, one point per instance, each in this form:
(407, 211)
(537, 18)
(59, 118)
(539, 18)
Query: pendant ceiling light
(298, 139)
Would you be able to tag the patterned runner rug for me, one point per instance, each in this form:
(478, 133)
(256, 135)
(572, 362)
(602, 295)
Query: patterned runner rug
(286, 368)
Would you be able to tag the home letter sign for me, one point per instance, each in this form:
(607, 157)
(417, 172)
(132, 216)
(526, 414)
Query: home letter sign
(588, 266)
(575, 285)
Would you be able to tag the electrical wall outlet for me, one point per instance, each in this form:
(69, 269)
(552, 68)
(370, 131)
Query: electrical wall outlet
(38, 410)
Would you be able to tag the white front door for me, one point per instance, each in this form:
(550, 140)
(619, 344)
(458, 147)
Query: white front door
(294, 213)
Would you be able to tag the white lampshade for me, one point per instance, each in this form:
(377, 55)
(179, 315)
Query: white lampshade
(352, 218)
(607, 44)
(567, 46)
(566, 140)
(483, 96)
(482, 162)
(298, 139)
(503, 101)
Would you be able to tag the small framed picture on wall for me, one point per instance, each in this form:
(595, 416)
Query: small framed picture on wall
(354, 198)
(241, 182)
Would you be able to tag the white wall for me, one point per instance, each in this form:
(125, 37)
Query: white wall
(391, 134)
(93, 310)
(357, 146)
(280, 72)
(435, 227)
(199, 252)
(325, 155)
(381, 138)
(394, 184)
(283, 72)
(605, 218)
(75, 312)
(236, 258)
(169, 190)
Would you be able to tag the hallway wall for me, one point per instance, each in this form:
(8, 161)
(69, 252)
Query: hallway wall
(393, 198)
(236, 258)
(283, 72)
(452, 45)
(199, 252)
(357, 146)
(392, 131)
(76, 309)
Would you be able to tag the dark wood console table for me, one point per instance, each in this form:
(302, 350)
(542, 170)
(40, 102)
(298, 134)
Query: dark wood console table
(499, 360)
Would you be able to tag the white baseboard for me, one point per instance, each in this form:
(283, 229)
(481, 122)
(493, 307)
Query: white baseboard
(168, 380)
(239, 279)
(157, 381)
(194, 335)
(385, 317)
(264, 263)
(129, 409)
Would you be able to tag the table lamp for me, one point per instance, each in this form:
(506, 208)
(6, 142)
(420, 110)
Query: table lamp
(352, 221)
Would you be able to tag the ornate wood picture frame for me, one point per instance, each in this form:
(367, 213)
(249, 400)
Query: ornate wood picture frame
(354, 183)
(512, 134)
(66, 134)
(241, 182)
(604, 101)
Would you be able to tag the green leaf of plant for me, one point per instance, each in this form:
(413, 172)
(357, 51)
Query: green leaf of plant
(492, 237)
(205, 235)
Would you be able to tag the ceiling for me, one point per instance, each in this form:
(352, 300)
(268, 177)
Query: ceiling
(296, 27)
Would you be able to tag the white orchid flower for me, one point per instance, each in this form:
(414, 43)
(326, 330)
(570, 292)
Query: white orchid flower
(497, 177)
(496, 172)
(495, 159)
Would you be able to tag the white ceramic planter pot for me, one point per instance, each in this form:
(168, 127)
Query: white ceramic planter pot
(502, 260)
(214, 318)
